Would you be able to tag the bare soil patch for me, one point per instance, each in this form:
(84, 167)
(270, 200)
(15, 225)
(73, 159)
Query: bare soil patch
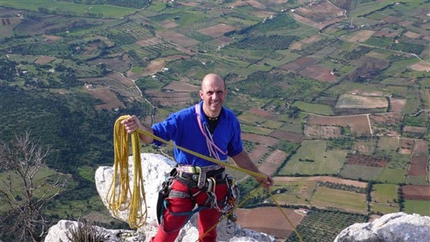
(374, 63)
(386, 118)
(177, 38)
(42, 60)
(237, 3)
(319, 73)
(418, 166)
(177, 86)
(299, 64)
(387, 32)
(420, 66)
(366, 93)
(119, 63)
(421, 147)
(52, 37)
(153, 67)
(150, 41)
(290, 136)
(322, 132)
(412, 35)
(358, 101)
(416, 192)
(217, 30)
(110, 87)
(190, 4)
(269, 220)
(107, 96)
(258, 152)
(361, 36)
(307, 21)
(319, 14)
(272, 162)
(158, 65)
(396, 104)
(256, 138)
(298, 45)
(263, 14)
(391, 20)
(415, 129)
(406, 145)
(365, 160)
(169, 24)
(359, 124)
(221, 41)
(169, 98)
(262, 113)
(256, 4)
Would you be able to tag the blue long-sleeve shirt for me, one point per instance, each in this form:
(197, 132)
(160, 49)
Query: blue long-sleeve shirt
(183, 129)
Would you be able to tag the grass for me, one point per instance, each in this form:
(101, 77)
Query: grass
(384, 192)
(394, 176)
(272, 124)
(369, 7)
(343, 200)
(313, 108)
(416, 180)
(387, 144)
(297, 192)
(357, 172)
(40, 181)
(417, 206)
(250, 118)
(87, 173)
(312, 159)
(383, 208)
(256, 130)
(79, 9)
(398, 66)
(294, 128)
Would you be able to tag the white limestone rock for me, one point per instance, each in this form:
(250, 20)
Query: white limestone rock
(155, 169)
(390, 227)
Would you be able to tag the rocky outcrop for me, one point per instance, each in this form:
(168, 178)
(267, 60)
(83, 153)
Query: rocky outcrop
(155, 169)
(392, 227)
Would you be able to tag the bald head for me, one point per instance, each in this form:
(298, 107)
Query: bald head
(213, 92)
(212, 78)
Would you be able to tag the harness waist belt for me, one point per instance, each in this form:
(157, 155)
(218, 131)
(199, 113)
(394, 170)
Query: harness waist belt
(197, 169)
(198, 179)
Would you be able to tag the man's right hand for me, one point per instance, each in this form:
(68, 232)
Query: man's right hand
(131, 124)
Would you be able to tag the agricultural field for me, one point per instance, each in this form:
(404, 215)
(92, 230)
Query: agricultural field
(331, 96)
(384, 198)
(312, 158)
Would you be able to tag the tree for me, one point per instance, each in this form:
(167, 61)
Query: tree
(23, 194)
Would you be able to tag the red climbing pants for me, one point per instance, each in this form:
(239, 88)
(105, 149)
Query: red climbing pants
(169, 229)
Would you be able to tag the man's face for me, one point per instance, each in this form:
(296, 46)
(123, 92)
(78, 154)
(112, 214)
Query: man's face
(213, 93)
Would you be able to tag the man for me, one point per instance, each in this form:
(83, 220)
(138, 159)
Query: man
(209, 129)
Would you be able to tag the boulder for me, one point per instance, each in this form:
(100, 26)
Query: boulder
(388, 228)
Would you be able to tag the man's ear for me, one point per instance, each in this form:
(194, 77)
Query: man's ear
(201, 94)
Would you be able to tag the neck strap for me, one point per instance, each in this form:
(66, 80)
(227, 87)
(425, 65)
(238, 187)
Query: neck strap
(213, 148)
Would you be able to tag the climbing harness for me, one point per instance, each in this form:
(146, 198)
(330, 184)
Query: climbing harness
(192, 180)
(122, 197)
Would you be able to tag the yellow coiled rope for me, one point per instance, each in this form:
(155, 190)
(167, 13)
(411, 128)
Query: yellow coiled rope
(117, 196)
